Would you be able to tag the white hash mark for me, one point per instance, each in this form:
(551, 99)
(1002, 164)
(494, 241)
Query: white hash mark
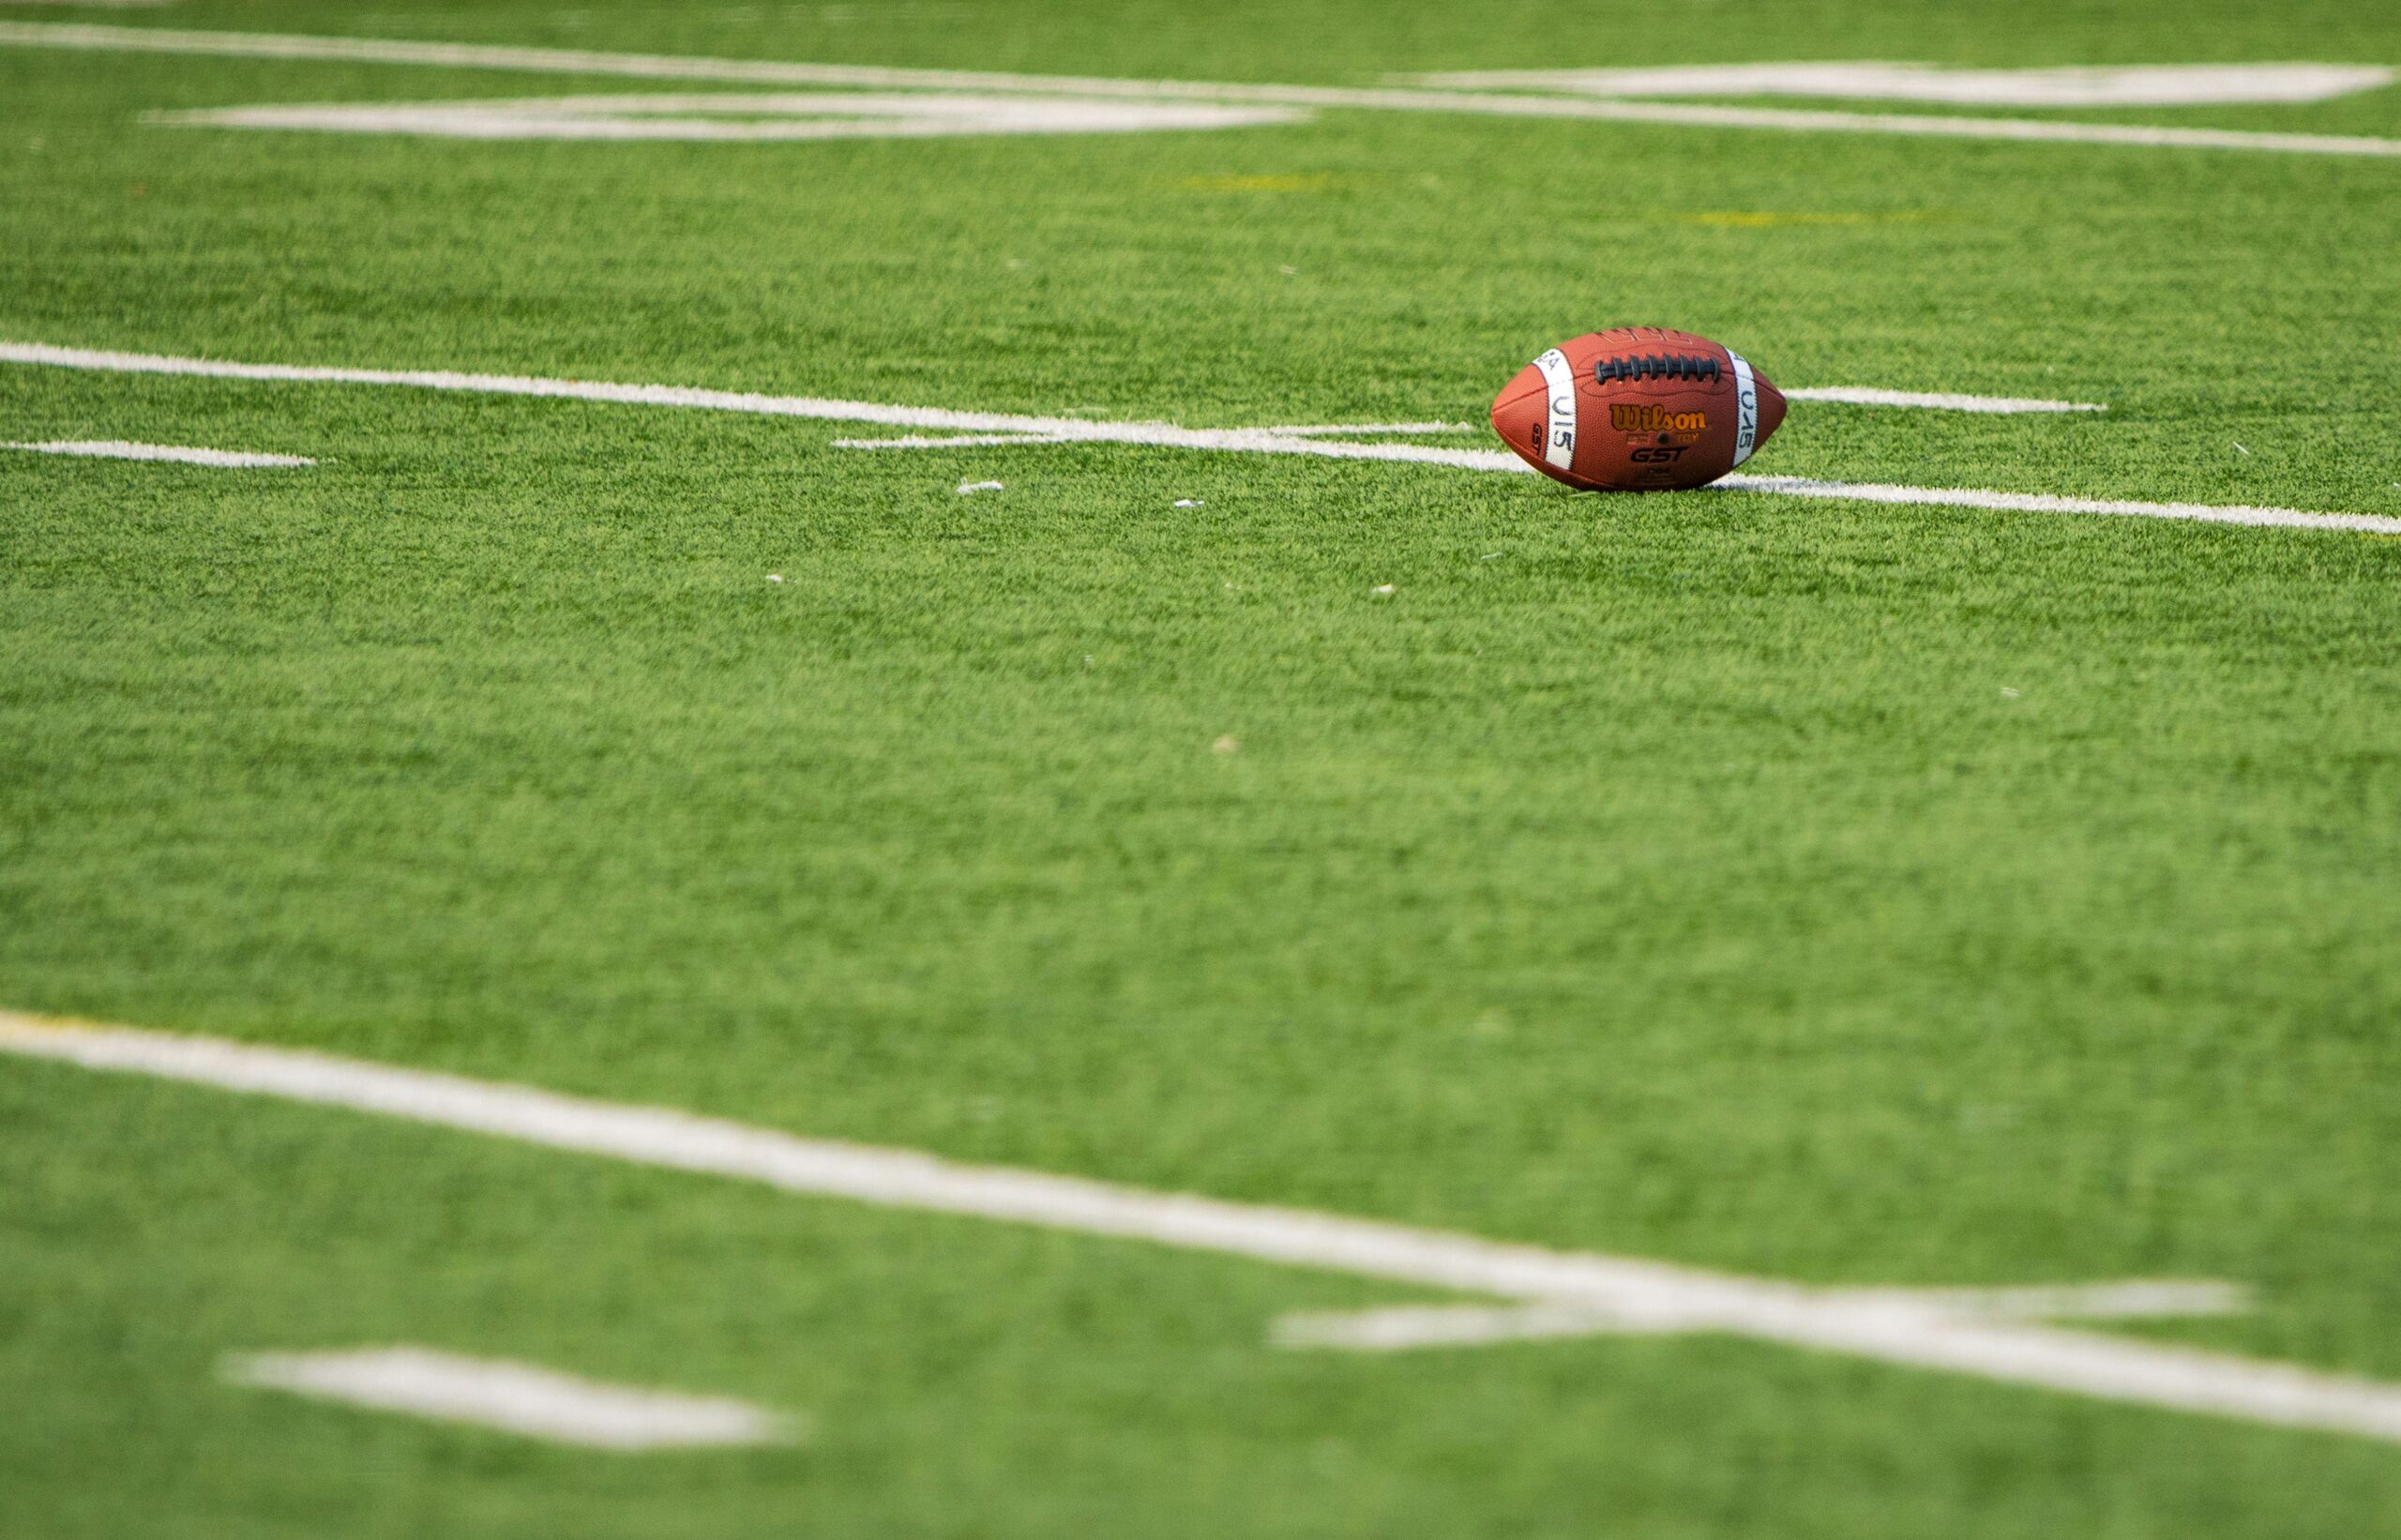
(180, 454)
(522, 1398)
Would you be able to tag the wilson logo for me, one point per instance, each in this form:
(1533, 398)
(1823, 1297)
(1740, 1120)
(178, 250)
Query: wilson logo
(1653, 419)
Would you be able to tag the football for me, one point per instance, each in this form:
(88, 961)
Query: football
(1637, 409)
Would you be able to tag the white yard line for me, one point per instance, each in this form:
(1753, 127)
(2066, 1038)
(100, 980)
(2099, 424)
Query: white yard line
(1968, 497)
(2124, 86)
(1938, 401)
(1002, 428)
(2134, 1299)
(1395, 1328)
(1399, 1328)
(180, 453)
(1323, 429)
(659, 67)
(743, 117)
(963, 441)
(522, 1398)
(1644, 1295)
(978, 440)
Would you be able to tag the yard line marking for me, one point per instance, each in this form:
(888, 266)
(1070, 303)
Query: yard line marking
(977, 441)
(1083, 430)
(1323, 429)
(999, 428)
(1938, 401)
(741, 118)
(1648, 1295)
(522, 1398)
(659, 67)
(1966, 497)
(1400, 1327)
(2134, 1299)
(964, 441)
(2124, 86)
(179, 453)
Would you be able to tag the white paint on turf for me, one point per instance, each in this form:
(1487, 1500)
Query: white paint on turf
(2121, 85)
(978, 440)
(1008, 428)
(760, 72)
(522, 1398)
(1968, 497)
(1399, 1327)
(962, 441)
(1326, 430)
(1938, 401)
(181, 454)
(741, 116)
(1641, 1295)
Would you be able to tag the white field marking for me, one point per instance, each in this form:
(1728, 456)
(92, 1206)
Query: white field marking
(1395, 1328)
(964, 441)
(1938, 401)
(2134, 1299)
(1008, 428)
(974, 440)
(759, 71)
(1964, 497)
(741, 118)
(1326, 429)
(1399, 1327)
(1657, 1296)
(181, 454)
(521, 1399)
(2125, 86)
(1057, 430)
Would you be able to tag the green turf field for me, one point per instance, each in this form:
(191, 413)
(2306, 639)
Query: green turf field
(1817, 890)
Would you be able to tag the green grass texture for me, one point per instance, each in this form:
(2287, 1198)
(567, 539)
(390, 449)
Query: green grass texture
(1842, 893)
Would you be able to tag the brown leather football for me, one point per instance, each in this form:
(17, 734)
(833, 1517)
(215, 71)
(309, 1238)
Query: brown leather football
(1637, 409)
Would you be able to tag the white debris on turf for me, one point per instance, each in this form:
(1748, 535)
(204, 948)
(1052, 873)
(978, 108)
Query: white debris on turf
(1381, 588)
(967, 487)
(1190, 503)
(775, 577)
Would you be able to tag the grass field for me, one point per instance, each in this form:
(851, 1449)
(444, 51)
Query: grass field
(1818, 890)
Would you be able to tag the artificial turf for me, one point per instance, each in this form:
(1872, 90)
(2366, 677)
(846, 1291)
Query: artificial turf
(1828, 891)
